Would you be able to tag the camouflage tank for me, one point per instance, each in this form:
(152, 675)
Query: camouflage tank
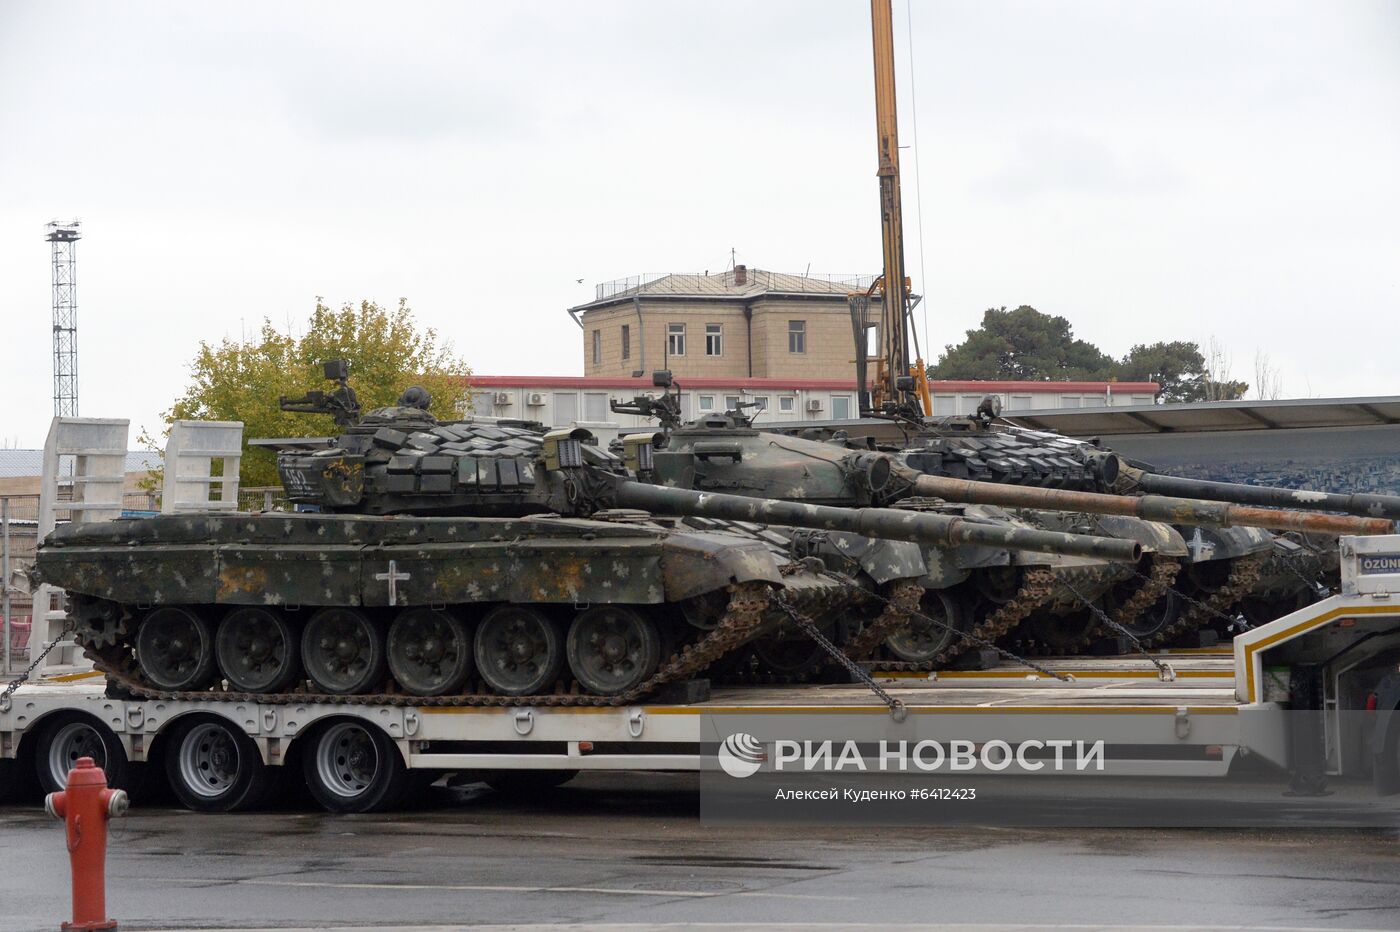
(462, 563)
(1230, 553)
(984, 591)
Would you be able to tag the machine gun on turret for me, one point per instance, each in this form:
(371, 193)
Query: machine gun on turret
(341, 404)
(666, 410)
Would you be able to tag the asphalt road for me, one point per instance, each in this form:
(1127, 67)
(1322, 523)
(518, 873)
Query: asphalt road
(630, 849)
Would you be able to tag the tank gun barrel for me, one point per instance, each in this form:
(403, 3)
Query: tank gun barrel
(1148, 507)
(1359, 503)
(886, 523)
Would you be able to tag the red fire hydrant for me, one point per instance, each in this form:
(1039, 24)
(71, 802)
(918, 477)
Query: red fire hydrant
(85, 805)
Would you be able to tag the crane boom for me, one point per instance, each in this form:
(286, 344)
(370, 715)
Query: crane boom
(892, 392)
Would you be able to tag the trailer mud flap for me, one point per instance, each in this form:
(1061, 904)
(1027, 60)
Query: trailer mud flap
(1307, 748)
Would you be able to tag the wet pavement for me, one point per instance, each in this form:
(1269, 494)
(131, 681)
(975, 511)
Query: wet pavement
(629, 849)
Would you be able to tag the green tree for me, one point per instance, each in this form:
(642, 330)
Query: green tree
(388, 351)
(1177, 367)
(1023, 344)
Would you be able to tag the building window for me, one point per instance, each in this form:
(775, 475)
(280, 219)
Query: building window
(626, 342)
(731, 402)
(595, 406)
(597, 347)
(675, 339)
(714, 339)
(1021, 402)
(797, 336)
(841, 407)
(707, 402)
(1071, 401)
(786, 402)
(565, 409)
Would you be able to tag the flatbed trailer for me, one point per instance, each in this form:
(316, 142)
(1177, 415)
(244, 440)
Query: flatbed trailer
(1339, 656)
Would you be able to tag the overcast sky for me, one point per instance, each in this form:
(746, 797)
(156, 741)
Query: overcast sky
(1149, 170)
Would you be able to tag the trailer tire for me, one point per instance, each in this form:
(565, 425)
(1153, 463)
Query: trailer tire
(213, 766)
(352, 765)
(64, 739)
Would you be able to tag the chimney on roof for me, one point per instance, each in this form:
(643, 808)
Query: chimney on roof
(741, 274)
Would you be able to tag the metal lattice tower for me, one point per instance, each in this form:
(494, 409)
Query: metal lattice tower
(63, 236)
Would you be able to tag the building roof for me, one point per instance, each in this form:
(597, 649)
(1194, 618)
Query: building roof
(643, 384)
(17, 463)
(724, 285)
(1214, 416)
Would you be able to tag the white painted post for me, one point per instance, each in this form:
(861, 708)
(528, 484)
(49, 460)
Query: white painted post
(87, 456)
(189, 466)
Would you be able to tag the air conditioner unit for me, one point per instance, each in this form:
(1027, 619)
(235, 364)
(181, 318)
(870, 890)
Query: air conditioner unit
(502, 398)
(534, 399)
(814, 404)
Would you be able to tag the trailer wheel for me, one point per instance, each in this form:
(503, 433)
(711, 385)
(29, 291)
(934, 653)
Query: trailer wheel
(64, 740)
(353, 766)
(213, 767)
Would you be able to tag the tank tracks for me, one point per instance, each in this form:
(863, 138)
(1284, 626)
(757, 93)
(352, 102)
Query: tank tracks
(904, 600)
(1037, 586)
(742, 618)
(1153, 589)
(1244, 573)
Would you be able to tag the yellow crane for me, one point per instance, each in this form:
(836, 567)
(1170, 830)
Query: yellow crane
(900, 384)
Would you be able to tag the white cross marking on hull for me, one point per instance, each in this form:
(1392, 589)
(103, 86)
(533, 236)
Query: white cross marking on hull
(392, 578)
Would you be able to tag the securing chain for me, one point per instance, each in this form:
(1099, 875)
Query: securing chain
(967, 636)
(897, 709)
(983, 642)
(1164, 671)
(68, 626)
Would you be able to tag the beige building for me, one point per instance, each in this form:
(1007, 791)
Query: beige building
(739, 324)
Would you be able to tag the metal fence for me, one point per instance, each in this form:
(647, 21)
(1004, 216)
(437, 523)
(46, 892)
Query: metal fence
(19, 536)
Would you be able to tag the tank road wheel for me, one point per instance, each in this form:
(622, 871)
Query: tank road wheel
(518, 650)
(613, 648)
(353, 766)
(68, 738)
(214, 767)
(175, 648)
(257, 651)
(343, 651)
(921, 639)
(1153, 620)
(998, 584)
(788, 651)
(430, 652)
